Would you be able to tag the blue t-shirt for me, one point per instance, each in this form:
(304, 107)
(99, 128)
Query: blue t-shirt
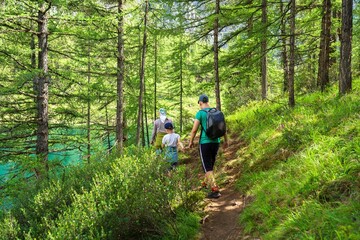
(201, 116)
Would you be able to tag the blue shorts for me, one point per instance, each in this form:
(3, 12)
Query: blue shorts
(171, 154)
(208, 152)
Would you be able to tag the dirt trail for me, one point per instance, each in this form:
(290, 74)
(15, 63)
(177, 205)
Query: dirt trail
(221, 221)
(222, 214)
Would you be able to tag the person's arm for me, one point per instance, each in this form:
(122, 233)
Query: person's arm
(193, 132)
(180, 144)
(163, 141)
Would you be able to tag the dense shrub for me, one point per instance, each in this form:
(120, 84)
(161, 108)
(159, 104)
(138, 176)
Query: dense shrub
(130, 197)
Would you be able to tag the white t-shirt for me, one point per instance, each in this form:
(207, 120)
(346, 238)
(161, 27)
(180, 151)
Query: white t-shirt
(171, 139)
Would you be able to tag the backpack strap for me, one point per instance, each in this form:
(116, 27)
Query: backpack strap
(202, 127)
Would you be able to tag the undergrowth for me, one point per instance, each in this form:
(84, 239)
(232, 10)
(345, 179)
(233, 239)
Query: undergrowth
(301, 167)
(128, 197)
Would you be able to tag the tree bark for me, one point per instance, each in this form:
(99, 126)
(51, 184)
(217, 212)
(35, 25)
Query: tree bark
(250, 28)
(264, 83)
(147, 142)
(335, 36)
(181, 86)
(324, 54)
(142, 77)
(107, 129)
(120, 80)
(284, 53)
(216, 55)
(345, 48)
(42, 142)
(155, 77)
(292, 54)
(88, 109)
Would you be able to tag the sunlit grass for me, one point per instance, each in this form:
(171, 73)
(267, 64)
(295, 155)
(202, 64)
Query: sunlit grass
(301, 167)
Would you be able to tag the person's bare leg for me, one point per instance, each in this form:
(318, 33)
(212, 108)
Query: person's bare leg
(210, 179)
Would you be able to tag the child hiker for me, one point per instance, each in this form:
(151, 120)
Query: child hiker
(170, 143)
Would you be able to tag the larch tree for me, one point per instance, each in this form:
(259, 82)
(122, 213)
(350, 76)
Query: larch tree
(120, 79)
(142, 77)
(264, 21)
(155, 74)
(284, 44)
(324, 53)
(292, 54)
(88, 120)
(216, 54)
(345, 83)
(42, 144)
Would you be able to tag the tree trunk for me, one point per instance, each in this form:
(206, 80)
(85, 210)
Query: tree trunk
(107, 129)
(292, 54)
(120, 80)
(89, 110)
(284, 53)
(147, 143)
(42, 144)
(264, 83)
(181, 86)
(335, 36)
(345, 48)
(249, 56)
(155, 77)
(324, 54)
(142, 126)
(216, 54)
(142, 77)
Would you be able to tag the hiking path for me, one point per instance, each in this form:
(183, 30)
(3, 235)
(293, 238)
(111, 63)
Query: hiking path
(221, 220)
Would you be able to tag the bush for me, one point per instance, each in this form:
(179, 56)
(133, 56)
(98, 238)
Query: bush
(120, 198)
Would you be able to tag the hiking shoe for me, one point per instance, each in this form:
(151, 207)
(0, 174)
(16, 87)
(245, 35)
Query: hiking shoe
(213, 194)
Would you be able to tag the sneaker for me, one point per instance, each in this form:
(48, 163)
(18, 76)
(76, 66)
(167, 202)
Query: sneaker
(214, 194)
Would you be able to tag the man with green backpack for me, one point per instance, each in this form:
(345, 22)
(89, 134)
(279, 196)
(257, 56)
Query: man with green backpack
(213, 127)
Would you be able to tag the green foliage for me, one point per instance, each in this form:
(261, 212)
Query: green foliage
(119, 197)
(301, 167)
(10, 227)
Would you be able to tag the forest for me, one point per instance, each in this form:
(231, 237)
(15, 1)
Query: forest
(82, 82)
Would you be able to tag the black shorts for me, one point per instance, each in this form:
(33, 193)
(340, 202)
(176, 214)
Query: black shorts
(208, 152)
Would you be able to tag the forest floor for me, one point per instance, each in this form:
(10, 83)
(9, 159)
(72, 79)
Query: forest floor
(221, 220)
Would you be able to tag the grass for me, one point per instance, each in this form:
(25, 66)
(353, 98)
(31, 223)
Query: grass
(301, 166)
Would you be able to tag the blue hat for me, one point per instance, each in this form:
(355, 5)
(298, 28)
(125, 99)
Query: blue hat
(203, 98)
(169, 125)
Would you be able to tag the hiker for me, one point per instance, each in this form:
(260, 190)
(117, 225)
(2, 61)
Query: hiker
(170, 142)
(159, 130)
(208, 146)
